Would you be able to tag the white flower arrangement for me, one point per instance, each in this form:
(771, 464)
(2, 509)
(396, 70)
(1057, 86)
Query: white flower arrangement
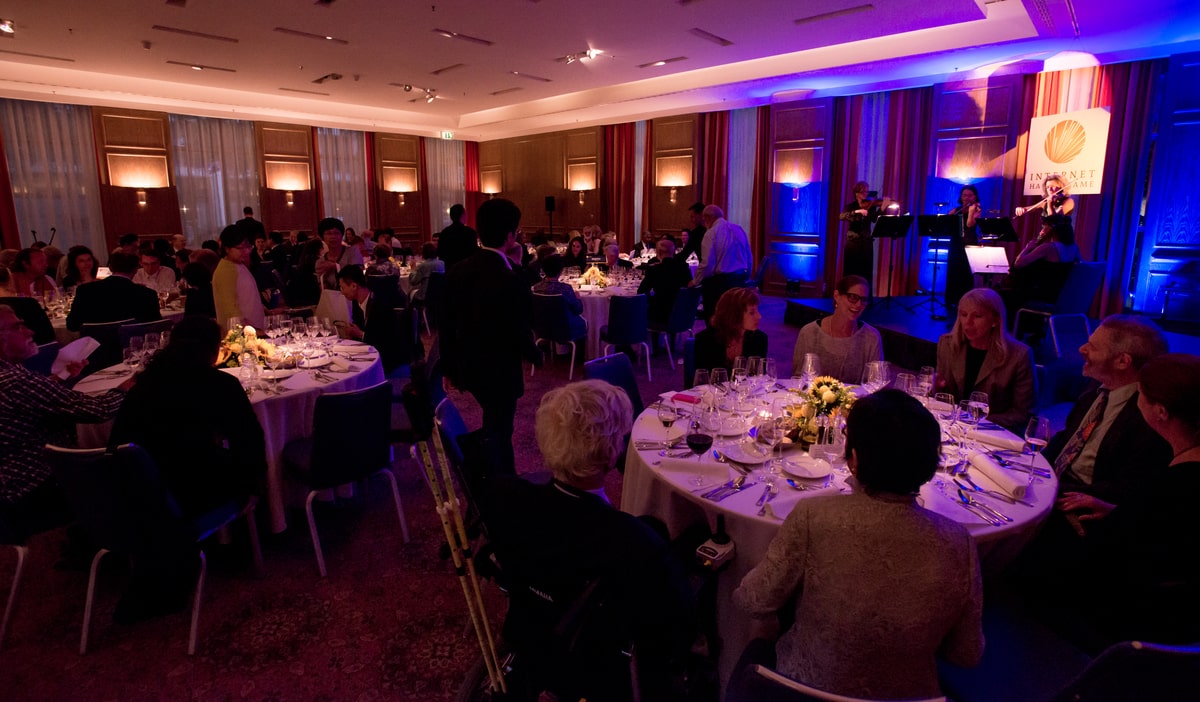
(827, 395)
(241, 340)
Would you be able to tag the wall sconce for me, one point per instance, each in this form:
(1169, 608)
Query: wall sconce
(400, 180)
(141, 198)
(289, 198)
(673, 172)
(491, 182)
(400, 197)
(796, 168)
(581, 177)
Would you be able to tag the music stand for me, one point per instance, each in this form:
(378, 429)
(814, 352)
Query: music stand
(995, 230)
(891, 227)
(936, 228)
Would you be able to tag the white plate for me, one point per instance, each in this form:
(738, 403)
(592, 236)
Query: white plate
(806, 467)
(744, 453)
(315, 362)
(353, 348)
(280, 374)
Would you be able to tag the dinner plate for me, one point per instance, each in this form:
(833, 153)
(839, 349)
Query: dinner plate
(279, 374)
(354, 348)
(315, 362)
(744, 453)
(806, 467)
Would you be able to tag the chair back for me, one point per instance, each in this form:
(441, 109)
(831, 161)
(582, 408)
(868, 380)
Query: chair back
(628, 319)
(387, 288)
(1083, 282)
(689, 362)
(351, 432)
(435, 291)
(127, 331)
(109, 336)
(117, 496)
(1137, 671)
(301, 312)
(451, 428)
(756, 281)
(1068, 332)
(551, 318)
(411, 350)
(683, 312)
(615, 369)
(757, 683)
(43, 360)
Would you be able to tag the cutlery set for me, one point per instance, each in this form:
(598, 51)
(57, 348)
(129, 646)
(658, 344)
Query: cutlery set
(729, 489)
(982, 510)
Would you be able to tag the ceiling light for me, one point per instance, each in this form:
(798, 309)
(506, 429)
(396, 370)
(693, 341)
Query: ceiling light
(429, 99)
(709, 36)
(662, 62)
(570, 58)
(197, 68)
(465, 37)
(530, 76)
(200, 66)
(8, 26)
(836, 13)
(310, 35)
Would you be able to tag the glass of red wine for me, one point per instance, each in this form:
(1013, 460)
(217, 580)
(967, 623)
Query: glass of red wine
(699, 443)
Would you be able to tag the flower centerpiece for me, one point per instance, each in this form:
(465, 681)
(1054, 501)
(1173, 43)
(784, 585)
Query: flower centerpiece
(240, 340)
(825, 397)
(593, 276)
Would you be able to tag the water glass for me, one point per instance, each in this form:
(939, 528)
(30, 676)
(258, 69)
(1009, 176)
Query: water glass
(906, 383)
(979, 406)
(810, 368)
(132, 359)
(720, 379)
(700, 379)
(136, 345)
(1037, 435)
(770, 372)
(926, 381)
(740, 363)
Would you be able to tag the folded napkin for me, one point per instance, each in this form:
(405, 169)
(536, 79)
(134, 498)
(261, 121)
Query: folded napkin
(75, 352)
(680, 471)
(998, 438)
(339, 363)
(1005, 481)
(687, 398)
(350, 346)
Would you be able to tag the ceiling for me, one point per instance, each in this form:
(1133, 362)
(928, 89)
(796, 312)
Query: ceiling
(500, 68)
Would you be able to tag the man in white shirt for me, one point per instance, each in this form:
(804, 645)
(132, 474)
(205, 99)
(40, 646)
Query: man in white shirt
(725, 258)
(153, 274)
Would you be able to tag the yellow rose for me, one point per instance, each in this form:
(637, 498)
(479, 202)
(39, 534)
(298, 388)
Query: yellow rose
(829, 397)
(236, 349)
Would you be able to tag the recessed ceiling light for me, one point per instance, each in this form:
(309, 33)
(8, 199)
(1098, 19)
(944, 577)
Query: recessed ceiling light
(662, 62)
(836, 13)
(8, 26)
(197, 68)
(201, 66)
(310, 35)
(530, 76)
(465, 37)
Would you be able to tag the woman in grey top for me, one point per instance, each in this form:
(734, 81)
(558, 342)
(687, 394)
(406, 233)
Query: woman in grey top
(882, 586)
(843, 343)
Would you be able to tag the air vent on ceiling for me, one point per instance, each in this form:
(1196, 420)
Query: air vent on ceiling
(40, 56)
(709, 36)
(310, 35)
(308, 92)
(505, 91)
(446, 69)
(530, 76)
(191, 33)
(177, 3)
(465, 37)
(835, 14)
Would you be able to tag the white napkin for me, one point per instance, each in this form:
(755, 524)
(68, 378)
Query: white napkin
(1004, 480)
(681, 470)
(74, 352)
(339, 363)
(996, 437)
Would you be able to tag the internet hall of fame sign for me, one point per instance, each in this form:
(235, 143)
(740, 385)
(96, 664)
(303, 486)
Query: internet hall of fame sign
(1071, 145)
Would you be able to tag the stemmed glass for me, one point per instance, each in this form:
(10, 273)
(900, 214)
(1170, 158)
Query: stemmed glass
(768, 430)
(150, 346)
(700, 379)
(668, 415)
(770, 372)
(875, 376)
(328, 331)
(740, 382)
(740, 363)
(946, 411)
(925, 382)
(136, 346)
(719, 379)
(810, 368)
(906, 383)
(978, 405)
(285, 328)
(1037, 435)
(699, 442)
(132, 359)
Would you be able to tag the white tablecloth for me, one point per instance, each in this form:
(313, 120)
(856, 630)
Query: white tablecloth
(283, 417)
(595, 311)
(666, 493)
(65, 336)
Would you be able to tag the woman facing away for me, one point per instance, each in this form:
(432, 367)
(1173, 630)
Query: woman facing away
(979, 355)
(882, 587)
(734, 331)
(843, 343)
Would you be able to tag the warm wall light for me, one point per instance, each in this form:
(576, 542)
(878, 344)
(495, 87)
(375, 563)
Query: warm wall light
(581, 177)
(287, 175)
(491, 182)
(673, 172)
(141, 198)
(400, 180)
(289, 198)
(797, 168)
(400, 196)
(138, 171)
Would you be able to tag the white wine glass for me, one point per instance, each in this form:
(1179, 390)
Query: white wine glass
(979, 406)
(1037, 435)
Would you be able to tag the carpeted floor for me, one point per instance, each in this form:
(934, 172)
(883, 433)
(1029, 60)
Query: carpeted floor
(389, 623)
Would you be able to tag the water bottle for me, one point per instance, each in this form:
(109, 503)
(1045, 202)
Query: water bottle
(249, 372)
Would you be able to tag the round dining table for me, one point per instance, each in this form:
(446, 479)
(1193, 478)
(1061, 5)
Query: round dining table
(671, 488)
(64, 336)
(595, 301)
(285, 412)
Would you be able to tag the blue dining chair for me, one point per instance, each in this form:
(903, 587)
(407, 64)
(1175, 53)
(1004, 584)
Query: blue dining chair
(628, 325)
(553, 323)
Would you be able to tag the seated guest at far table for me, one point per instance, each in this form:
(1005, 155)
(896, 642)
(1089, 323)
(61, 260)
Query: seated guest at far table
(663, 279)
(979, 355)
(844, 343)
(372, 319)
(645, 247)
(115, 298)
(430, 264)
(81, 267)
(197, 424)
(36, 410)
(30, 277)
(558, 537)
(1107, 447)
(864, 568)
(613, 260)
(532, 272)
(382, 263)
(199, 299)
(734, 331)
(551, 285)
(576, 254)
(153, 274)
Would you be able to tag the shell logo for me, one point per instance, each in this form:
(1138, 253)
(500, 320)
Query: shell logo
(1065, 141)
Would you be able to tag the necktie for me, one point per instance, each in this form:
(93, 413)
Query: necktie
(1080, 438)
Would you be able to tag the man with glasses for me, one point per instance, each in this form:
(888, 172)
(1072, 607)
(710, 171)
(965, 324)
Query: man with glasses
(725, 258)
(36, 410)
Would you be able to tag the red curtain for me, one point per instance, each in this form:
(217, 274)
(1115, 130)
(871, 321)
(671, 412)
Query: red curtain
(425, 206)
(616, 197)
(906, 173)
(757, 228)
(373, 216)
(471, 182)
(714, 159)
(316, 166)
(10, 235)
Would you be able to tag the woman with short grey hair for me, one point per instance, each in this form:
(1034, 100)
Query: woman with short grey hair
(581, 430)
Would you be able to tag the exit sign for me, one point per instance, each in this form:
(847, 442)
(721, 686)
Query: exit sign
(447, 135)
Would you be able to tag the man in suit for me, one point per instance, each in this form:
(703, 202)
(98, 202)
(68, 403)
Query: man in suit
(457, 241)
(486, 327)
(663, 280)
(115, 298)
(695, 233)
(373, 319)
(1107, 449)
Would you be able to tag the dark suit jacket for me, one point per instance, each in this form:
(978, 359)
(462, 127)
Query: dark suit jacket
(111, 300)
(487, 318)
(710, 353)
(1008, 382)
(662, 282)
(457, 242)
(199, 301)
(381, 330)
(31, 313)
(621, 263)
(1130, 451)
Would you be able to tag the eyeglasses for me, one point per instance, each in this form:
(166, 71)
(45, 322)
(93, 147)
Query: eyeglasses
(857, 299)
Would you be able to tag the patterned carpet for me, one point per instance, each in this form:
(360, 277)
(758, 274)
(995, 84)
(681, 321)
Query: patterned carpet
(389, 623)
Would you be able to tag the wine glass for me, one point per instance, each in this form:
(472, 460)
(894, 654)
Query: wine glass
(1037, 435)
(874, 376)
(768, 431)
(925, 382)
(136, 346)
(668, 415)
(699, 442)
(906, 383)
(770, 372)
(132, 359)
(740, 363)
(740, 382)
(285, 328)
(150, 345)
(810, 368)
(979, 406)
(719, 379)
(700, 379)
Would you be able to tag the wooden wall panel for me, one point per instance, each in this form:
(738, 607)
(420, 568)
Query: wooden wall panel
(285, 158)
(132, 150)
(398, 168)
(672, 139)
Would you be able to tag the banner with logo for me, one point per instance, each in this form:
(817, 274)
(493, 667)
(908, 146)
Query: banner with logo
(1071, 145)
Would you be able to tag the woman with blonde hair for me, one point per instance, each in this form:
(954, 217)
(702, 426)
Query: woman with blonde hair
(1056, 199)
(979, 355)
(734, 331)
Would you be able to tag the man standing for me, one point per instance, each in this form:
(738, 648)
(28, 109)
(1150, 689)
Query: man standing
(724, 258)
(115, 298)
(255, 227)
(695, 232)
(457, 241)
(486, 323)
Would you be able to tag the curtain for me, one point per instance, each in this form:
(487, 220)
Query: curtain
(373, 215)
(640, 220)
(53, 170)
(9, 238)
(743, 140)
(714, 159)
(616, 194)
(471, 182)
(342, 163)
(757, 224)
(905, 176)
(647, 181)
(444, 169)
(216, 173)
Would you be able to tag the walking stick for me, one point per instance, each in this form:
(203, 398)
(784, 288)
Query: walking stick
(449, 509)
